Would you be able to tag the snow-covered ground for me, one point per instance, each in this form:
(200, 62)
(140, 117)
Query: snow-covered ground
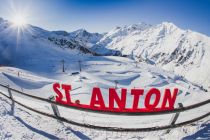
(21, 123)
(157, 56)
(98, 71)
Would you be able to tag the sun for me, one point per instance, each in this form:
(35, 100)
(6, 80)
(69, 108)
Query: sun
(19, 20)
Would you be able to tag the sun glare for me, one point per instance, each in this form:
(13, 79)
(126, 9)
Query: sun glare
(19, 20)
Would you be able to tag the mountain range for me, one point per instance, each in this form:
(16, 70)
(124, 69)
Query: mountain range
(184, 52)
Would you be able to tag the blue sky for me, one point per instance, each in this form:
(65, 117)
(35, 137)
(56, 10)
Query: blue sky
(103, 15)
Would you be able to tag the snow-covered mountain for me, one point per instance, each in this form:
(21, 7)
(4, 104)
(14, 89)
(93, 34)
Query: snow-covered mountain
(183, 51)
(86, 38)
(18, 44)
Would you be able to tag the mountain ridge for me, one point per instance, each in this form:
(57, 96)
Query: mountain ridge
(184, 52)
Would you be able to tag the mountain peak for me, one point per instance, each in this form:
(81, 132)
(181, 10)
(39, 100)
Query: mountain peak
(168, 25)
(81, 30)
(139, 26)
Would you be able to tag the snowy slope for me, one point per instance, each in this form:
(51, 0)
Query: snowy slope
(31, 43)
(102, 72)
(183, 51)
(24, 124)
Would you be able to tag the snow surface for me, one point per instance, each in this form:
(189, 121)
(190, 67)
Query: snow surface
(96, 72)
(32, 63)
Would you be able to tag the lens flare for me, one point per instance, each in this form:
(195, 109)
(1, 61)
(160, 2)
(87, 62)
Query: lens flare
(19, 20)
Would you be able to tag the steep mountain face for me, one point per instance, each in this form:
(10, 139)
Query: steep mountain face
(85, 38)
(82, 36)
(89, 41)
(114, 36)
(66, 43)
(185, 52)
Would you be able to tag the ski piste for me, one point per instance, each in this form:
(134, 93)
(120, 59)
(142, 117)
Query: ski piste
(37, 84)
